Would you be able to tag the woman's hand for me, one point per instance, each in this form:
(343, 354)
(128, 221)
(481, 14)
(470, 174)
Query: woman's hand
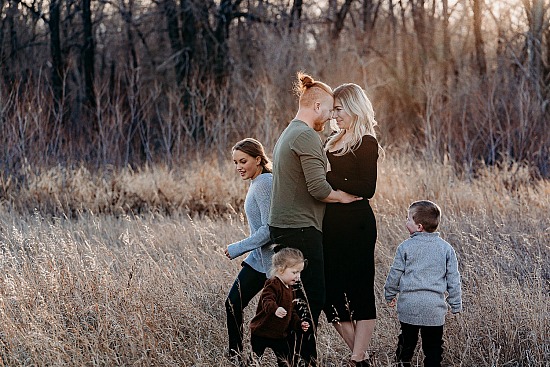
(226, 252)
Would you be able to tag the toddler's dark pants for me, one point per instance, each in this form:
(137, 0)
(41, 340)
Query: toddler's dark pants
(248, 283)
(280, 347)
(432, 344)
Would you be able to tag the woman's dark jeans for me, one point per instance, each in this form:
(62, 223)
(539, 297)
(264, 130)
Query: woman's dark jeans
(248, 283)
(310, 241)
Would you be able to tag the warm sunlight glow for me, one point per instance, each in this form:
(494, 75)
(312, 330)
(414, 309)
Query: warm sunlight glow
(512, 10)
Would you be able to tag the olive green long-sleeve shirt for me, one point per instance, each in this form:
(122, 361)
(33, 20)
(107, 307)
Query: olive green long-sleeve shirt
(299, 179)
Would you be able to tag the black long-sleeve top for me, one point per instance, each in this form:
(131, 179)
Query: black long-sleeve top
(355, 172)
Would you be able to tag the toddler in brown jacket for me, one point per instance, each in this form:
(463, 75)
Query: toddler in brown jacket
(276, 315)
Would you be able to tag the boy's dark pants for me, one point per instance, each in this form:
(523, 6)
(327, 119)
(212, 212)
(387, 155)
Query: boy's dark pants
(279, 346)
(248, 283)
(432, 344)
(310, 241)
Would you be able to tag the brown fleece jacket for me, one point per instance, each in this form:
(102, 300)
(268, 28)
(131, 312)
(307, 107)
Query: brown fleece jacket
(266, 324)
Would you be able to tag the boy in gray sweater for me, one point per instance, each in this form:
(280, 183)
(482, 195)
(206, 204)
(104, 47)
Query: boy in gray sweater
(425, 274)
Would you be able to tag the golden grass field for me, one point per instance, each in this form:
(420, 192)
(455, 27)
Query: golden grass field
(84, 282)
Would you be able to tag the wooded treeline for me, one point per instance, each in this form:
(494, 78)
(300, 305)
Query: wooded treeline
(123, 82)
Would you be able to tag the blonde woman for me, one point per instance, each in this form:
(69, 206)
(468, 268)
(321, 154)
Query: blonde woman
(349, 231)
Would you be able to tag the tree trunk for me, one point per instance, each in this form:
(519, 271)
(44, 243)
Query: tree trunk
(224, 16)
(370, 13)
(406, 54)
(447, 57)
(393, 27)
(12, 13)
(296, 15)
(2, 27)
(535, 15)
(88, 52)
(135, 149)
(339, 21)
(419, 22)
(189, 29)
(332, 9)
(6, 23)
(546, 76)
(55, 52)
(169, 9)
(480, 52)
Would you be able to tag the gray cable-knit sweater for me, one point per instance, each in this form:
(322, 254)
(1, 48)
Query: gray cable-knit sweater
(256, 206)
(424, 270)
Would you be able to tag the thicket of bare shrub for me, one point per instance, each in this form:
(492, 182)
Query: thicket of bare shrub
(122, 289)
(195, 189)
(434, 84)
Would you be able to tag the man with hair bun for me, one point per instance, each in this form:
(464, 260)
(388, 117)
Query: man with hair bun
(300, 191)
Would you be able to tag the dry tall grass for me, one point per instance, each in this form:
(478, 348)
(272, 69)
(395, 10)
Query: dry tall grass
(104, 287)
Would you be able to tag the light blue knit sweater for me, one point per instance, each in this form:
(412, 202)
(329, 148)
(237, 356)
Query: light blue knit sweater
(256, 206)
(424, 270)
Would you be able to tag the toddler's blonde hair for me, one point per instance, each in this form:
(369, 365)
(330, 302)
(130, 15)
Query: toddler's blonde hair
(285, 258)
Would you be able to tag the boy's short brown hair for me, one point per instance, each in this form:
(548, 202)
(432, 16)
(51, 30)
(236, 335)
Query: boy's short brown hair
(427, 213)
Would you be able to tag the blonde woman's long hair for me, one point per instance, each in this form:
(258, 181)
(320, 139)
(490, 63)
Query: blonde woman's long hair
(356, 104)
